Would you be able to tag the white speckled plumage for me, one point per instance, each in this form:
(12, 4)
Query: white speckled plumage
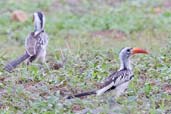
(35, 44)
(119, 80)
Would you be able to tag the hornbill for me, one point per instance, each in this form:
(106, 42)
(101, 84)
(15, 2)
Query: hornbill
(35, 44)
(120, 79)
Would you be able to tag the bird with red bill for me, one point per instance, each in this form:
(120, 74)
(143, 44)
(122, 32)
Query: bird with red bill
(119, 80)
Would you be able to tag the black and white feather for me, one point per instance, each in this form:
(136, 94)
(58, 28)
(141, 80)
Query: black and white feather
(35, 44)
(117, 81)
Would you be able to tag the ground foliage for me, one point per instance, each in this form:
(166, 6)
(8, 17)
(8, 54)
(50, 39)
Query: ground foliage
(85, 38)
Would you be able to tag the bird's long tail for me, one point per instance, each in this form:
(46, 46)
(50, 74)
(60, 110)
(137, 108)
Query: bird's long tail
(82, 94)
(11, 65)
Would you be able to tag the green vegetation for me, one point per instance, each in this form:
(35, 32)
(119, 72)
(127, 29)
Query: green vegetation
(87, 34)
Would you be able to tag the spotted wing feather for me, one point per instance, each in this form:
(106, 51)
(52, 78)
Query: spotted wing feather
(118, 78)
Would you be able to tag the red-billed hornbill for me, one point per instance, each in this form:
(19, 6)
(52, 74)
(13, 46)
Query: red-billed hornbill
(120, 79)
(35, 43)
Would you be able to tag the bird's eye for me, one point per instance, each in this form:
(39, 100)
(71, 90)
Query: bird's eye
(128, 50)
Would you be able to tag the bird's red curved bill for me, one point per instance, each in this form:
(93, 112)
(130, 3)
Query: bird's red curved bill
(138, 50)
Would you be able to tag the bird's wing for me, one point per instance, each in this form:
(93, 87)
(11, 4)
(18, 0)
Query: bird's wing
(42, 42)
(115, 79)
(34, 43)
(30, 44)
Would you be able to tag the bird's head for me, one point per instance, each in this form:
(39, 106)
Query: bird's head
(39, 21)
(128, 52)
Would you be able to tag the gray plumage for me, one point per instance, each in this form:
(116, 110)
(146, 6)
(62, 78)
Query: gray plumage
(11, 65)
(35, 44)
(115, 80)
(118, 80)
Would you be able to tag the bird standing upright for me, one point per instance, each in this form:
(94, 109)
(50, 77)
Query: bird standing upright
(35, 43)
(120, 79)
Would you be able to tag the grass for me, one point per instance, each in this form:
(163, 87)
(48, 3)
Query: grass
(73, 29)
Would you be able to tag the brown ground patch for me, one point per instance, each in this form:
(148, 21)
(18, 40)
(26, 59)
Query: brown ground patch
(167, 88)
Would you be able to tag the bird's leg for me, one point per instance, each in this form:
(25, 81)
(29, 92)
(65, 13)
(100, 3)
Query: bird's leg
(42, 56)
